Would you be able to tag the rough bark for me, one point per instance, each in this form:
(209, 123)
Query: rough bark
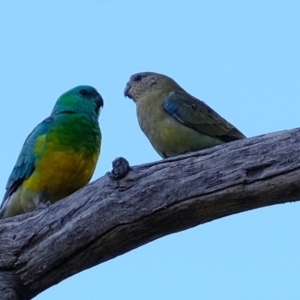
(110, 217)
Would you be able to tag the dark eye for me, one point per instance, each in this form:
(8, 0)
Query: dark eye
(83, 92)
(137, 77)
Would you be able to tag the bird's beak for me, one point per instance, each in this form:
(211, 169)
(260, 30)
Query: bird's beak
(126, 90)
(100, 102)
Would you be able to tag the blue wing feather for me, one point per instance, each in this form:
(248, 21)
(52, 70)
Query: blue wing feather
(197, 115)
(26, 160)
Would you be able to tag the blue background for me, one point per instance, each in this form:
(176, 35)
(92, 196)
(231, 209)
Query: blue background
(240, 57)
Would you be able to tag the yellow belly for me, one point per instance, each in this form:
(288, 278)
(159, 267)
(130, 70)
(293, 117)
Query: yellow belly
(60, 173)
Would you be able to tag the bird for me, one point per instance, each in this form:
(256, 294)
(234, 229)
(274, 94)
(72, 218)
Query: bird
(174, 121)
(59, 156)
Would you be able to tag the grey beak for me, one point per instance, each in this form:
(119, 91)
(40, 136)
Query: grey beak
(126, 90)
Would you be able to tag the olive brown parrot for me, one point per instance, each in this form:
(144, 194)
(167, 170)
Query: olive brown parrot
(174, 121)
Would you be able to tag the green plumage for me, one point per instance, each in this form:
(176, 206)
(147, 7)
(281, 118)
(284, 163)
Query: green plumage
(60, 154)
(174, 121)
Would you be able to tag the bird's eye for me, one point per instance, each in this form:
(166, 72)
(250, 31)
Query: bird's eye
(137, 77)
(83, 92)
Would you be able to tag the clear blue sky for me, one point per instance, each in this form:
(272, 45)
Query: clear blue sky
(240, 57)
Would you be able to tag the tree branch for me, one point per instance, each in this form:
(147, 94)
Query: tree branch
(108, 217)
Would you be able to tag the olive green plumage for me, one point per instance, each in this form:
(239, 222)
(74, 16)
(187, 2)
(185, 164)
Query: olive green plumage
(174, 121)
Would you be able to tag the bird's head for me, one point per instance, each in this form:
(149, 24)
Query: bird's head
(81, 99)
(148, 84)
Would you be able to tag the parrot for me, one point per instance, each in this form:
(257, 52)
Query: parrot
(174, 121)
(59, 156)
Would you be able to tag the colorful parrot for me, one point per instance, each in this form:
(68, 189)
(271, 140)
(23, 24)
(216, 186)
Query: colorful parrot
(174, 121)
(59, 156)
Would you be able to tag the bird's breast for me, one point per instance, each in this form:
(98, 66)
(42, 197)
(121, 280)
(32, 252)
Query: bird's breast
(57, 174)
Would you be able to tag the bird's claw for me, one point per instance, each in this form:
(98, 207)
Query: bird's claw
(43, 205)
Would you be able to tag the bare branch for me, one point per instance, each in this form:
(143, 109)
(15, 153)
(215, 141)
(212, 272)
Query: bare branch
(108, 217)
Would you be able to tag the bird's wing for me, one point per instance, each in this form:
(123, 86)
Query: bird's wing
(197, 115)
(27, 158)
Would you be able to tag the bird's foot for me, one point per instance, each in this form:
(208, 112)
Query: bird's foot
(120, 168)
(43, 204)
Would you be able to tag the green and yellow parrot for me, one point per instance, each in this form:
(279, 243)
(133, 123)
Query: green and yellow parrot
(59, 156)
(174, 121)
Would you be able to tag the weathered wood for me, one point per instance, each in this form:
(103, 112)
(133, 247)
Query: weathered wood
(108, 218)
